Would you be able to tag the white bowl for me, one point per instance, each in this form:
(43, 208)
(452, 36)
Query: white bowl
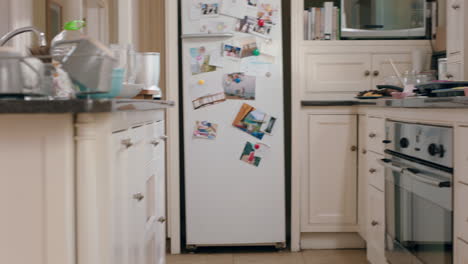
(131, 90)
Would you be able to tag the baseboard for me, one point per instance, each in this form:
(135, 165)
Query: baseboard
(332, 241)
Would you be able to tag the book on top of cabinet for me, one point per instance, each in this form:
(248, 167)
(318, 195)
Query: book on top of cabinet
(322, 23)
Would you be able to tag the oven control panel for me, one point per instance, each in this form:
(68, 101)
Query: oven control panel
(424, 142)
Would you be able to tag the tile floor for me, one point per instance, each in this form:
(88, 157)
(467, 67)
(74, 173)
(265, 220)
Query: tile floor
(305, 257)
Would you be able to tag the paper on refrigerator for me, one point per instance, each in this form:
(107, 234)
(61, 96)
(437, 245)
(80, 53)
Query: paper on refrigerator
(206, 89)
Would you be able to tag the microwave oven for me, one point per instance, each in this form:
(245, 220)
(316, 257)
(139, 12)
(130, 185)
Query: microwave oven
(383, 19)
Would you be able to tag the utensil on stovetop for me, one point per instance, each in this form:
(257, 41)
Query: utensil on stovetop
(429, 88)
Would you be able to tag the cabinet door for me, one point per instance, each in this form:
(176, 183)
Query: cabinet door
(330, 187)
(461, 211)
(376, 227)
(362, 176)
(382, 68)
(455, 71)
(120, 200)
(455, 32)
(461, 154)
(335, 73)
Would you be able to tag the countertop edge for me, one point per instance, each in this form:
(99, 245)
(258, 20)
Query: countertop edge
(77, 106)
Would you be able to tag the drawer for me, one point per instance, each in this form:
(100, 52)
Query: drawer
(375, 171)
(461, 252)
(461, 211)
(376, 134)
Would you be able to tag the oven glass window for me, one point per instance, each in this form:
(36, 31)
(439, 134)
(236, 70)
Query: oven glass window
(419, 217)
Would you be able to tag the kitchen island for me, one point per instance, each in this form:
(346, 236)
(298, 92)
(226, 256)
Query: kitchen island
(83, 181)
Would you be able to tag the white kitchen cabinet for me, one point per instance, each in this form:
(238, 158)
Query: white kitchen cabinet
(37, 189)
(84, 188)
(335, 73)
(329, 194)
(461, 252)
(455, 20)
(376, 134)
(457, 40)
(376, 226)
(461, 211)
(349, 72)
(461, 154)
(455, 71)
(362, 175)
(375, 171)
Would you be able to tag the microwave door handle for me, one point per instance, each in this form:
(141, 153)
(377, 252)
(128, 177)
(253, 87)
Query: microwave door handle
(415, 175)
(388, 164)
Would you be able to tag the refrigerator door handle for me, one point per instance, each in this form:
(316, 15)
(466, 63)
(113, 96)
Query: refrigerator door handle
(218, 35)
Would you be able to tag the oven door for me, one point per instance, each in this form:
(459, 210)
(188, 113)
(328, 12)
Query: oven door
(419, 214)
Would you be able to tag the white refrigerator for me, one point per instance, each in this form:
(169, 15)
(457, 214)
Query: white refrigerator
(233, 116)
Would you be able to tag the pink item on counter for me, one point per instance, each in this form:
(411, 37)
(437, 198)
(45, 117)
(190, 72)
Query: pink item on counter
(466, 91)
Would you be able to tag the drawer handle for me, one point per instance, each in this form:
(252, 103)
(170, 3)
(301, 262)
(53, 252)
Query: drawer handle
(162, 220)
(164, 137)
(127, 143)
(155, 142)
(372, 170)
(456, 6)
(353, 148)
(372, 135)
(139, 197)
(375, 223)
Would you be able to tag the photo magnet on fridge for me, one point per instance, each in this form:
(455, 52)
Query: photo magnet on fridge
(205, 130)
(254, 122)
(205, 9)
(200, 61)
(254, 153)
(239, 86)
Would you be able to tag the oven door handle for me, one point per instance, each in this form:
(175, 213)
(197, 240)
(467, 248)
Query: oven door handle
(388, 164)
(415, 175)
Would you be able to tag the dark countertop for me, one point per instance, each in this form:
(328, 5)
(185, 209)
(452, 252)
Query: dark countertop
(415, 102)
(337, 102)
(80, 106)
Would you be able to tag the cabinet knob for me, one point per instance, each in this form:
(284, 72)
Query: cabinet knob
(372, 170)
(155, 142)
(139, 197)
(376, 73)
(456, 6)
(375, 223)
(353, 148)
(162, 220)
(367, 73)
(364, 151)
(127, 143)
(372, 135)
(164, 137)
(449, 75)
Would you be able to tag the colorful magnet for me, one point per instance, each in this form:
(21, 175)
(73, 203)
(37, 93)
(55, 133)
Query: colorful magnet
(261, 22)
(238, 80)
(268, 74)
(256, 52)
(199, 58)
(201, 82)
(257, 146)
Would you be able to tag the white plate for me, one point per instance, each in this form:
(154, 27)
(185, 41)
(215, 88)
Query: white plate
(131, 90)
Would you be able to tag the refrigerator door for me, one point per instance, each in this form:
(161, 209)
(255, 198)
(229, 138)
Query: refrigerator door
(227, 201)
